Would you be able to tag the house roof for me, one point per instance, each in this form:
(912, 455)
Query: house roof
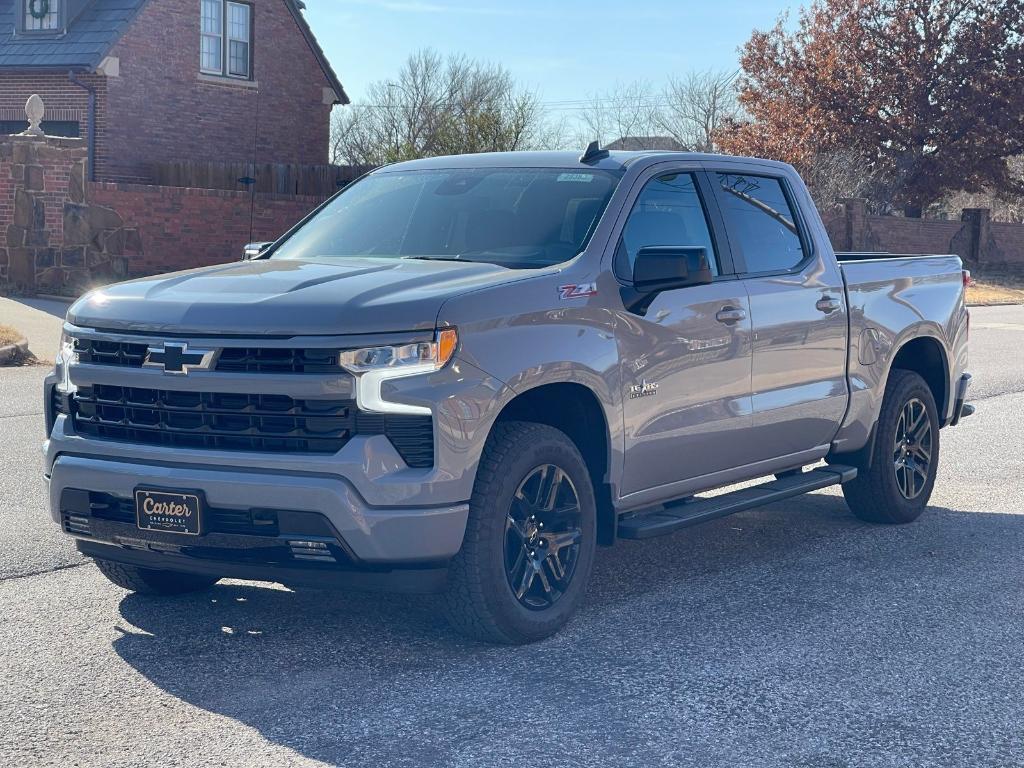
(296, 7)
(93, 28)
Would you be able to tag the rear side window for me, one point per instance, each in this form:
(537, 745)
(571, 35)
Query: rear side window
(760, 221)
(668, 211)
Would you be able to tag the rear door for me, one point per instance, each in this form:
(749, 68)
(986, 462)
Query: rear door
(685, 359)
(798, 311)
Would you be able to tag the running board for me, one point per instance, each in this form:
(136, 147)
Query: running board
(675, 515)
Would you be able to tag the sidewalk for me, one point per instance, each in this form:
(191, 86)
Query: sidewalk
(39, 320)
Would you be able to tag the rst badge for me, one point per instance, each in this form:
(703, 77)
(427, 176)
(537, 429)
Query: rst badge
(643, 389)
(580, 291)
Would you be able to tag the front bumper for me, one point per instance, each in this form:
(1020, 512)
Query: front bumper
(415, 580)
(367, 540)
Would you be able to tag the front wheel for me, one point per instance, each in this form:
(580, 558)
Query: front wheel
(530, 538)
(905, 457)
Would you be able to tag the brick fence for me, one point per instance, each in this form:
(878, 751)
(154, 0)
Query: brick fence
(181, 228)
(62, 234)
(979, 241)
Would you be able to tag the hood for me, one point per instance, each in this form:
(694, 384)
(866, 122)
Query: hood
(288, 298)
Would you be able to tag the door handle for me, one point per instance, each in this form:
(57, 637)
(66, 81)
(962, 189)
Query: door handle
(730, 315)
(828, 304)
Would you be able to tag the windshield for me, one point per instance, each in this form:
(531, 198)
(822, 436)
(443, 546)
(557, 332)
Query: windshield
(514, 217)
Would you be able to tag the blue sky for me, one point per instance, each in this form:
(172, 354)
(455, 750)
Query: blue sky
(563, 49)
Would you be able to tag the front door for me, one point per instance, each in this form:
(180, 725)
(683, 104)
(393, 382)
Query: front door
(798, 308)
(686, 358)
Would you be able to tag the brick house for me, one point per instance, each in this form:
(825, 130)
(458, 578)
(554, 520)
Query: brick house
(147, 81)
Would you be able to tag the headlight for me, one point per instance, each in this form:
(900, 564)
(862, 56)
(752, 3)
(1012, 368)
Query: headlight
(66, 355)
(373, 366)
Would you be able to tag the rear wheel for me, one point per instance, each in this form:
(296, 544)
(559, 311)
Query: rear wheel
(529, 545)
(905, 457)
(147, 581)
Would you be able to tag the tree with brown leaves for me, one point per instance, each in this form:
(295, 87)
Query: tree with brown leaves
(927, 93)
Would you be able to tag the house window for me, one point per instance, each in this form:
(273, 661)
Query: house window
(42, 15)
(226, 42)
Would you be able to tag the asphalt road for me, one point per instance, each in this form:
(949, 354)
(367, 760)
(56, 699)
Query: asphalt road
(788, 636)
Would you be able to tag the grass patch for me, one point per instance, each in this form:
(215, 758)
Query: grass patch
(993, 289)
(9, 336)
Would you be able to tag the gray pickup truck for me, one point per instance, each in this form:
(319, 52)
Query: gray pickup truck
(462, 374)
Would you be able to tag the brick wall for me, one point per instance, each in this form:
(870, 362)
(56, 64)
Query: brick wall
(62, 234)
(977, 240)
(162, 109)
(63, 100)
(183, 228)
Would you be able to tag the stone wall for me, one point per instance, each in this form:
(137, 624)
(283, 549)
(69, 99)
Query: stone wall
(61, 234)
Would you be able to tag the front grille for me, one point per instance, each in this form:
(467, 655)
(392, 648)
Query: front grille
(230, 359)
(242, 422)
(209, 420)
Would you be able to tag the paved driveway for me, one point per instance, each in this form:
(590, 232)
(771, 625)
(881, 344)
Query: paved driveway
(788, 636)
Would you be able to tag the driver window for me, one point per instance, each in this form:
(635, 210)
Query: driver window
(667, 212)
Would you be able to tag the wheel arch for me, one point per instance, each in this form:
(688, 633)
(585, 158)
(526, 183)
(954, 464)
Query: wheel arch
(926, 356)
(576, 410)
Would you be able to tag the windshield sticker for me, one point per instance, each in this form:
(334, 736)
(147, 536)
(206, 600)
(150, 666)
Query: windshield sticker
(585, 177)
(577, 291)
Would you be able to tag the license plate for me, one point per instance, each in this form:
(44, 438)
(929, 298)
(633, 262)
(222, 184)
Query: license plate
(168, 511)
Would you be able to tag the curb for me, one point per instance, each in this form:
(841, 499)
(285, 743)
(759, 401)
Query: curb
(54, 297)
(13, 352)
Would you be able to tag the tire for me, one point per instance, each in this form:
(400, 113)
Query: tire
(882, 494)
(147, 581)
(503, 542)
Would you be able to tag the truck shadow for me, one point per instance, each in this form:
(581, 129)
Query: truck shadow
(771, 616)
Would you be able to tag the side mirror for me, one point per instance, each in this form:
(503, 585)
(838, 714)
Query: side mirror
(668, 267)
(252, 250)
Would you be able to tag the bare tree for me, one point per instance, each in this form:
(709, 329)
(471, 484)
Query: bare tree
(832, 176)
(626, 110)
(1005, 206)
(689, 111)
(695, 106)
(438, 106)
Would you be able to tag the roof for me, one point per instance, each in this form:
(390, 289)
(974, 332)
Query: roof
(93, 29)
(557, 159)
(98, 25)
(616, 160)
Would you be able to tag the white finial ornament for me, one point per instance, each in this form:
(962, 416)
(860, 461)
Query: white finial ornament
(34, 110)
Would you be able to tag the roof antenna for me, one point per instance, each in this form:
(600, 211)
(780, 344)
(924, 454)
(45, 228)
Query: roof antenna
(593, 153)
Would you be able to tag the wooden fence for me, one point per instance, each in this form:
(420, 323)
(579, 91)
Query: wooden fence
(272, 178)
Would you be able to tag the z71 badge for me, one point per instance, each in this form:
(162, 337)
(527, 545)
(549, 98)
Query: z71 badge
(577, 291)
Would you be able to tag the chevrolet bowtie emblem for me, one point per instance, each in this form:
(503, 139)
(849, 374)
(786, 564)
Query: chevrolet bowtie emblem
(178, 358)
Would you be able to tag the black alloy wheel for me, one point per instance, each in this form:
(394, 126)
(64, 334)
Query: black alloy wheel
(542, 537)
(912, 449)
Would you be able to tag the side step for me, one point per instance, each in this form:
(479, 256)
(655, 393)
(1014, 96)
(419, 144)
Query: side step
(675, 515)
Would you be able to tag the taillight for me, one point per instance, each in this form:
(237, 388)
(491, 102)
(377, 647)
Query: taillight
(968, 282)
